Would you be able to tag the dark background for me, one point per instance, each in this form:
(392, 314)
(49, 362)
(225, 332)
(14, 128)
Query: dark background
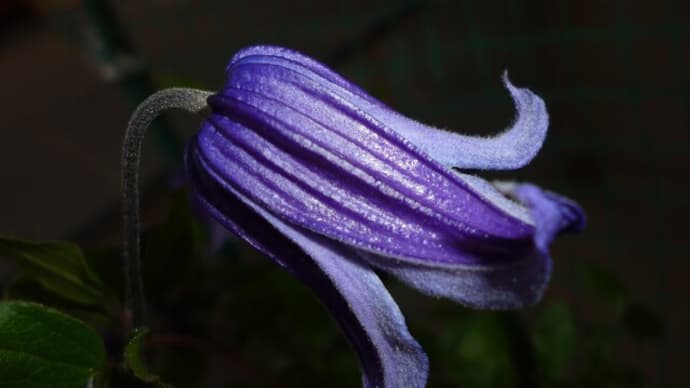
(615, 77)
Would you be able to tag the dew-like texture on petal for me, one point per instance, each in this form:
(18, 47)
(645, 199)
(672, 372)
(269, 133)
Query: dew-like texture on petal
(350, 290)
(306, 175)
(316, 160)
(497, 287)
(301, 63)
(513, 148)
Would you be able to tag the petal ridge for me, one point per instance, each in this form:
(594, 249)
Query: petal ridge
(353, 293)
(511, 149)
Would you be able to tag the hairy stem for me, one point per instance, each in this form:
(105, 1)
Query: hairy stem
(191, 100)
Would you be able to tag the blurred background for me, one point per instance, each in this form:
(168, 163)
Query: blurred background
(616, 79)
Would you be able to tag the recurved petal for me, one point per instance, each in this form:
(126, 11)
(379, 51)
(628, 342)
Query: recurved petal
(511, 149)
(350, 290)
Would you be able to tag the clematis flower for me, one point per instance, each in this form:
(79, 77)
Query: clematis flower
(335, 186)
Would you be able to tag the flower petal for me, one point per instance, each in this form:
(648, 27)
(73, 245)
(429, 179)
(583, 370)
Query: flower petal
(350, 290)
(553, 213)
(512, 149)
(499, 286)
(299, 62)
(287, 112)
(320, 155)
(304, 174)
(492, 287)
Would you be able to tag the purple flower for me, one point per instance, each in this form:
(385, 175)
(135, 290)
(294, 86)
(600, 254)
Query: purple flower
(333, 185)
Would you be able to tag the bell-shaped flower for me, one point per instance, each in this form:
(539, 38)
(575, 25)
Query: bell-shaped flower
(333, 185)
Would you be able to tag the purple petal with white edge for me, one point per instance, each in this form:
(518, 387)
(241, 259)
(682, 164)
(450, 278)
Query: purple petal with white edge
(497, 287)
(333, 172)
(300, 62)
(512, 149)
(351, 291)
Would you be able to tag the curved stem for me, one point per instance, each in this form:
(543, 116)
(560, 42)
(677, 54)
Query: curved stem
(191, 100)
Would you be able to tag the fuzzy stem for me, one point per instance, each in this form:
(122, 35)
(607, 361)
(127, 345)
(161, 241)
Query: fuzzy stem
(191, 100)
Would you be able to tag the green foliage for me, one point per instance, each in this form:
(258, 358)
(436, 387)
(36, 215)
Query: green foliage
(56, 272)
(485, 353)
(555, 339)
(41, 347)
(602, 283)
(134, 359)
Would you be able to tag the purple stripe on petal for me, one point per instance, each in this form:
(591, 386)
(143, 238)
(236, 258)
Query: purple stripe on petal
(388, 173)
(266, 86)
(496, 286)
(299, 62)
(310, 186)
(350, 290)
(512, 149)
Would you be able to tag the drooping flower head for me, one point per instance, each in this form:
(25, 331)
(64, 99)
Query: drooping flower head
(332, 185)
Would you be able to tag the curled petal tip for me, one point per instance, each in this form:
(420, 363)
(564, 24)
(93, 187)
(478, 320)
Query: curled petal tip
(509, 150)
(504, 77)
(527, 134)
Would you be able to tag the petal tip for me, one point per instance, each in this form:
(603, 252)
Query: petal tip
(527, 134)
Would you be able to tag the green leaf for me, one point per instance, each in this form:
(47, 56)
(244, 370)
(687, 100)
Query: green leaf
(59, 267)
(555, 339)
(133, 356)
(135, 361)
(484, 353)
(642, 323)
(41, 347)
(24, 288)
